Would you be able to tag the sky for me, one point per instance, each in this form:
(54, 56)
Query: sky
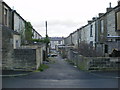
(63, 16)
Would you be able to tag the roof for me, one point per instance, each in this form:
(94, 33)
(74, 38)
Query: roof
(6, 5)
(14, 11)
(97, 18)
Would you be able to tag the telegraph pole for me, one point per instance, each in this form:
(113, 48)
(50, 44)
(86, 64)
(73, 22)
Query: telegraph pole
(46, 28)
(46, 42)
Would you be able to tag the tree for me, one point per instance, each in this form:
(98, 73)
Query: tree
(47, 40)
(28, 32)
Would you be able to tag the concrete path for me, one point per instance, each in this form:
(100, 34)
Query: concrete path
(61, 75)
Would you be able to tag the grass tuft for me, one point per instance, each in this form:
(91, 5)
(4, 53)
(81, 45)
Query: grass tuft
(43, 67)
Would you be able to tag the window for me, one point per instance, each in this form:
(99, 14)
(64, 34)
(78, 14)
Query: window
(91, 43)
(106, 48)
(59, 42)
(5, 16)
(101, 26)
(118, 20)
(91, 28)
(17, 44)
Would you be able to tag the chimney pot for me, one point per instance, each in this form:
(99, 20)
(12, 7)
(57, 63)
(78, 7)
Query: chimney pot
(110, 5)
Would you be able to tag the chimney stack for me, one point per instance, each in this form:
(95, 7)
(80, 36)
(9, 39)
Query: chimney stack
(110, 7)
(1, 0)
(90, 21)
(118, 2)
(94, 18)
(100, 14)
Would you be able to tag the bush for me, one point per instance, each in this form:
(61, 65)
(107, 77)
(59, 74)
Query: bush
(87, 50)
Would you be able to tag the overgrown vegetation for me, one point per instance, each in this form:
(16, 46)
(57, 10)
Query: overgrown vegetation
(88, 50)
(45, 40)
(51, 60)
(28, 32)
(43, 67)
(70, 62)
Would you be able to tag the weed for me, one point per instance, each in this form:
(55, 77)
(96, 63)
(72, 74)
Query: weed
(43, 67)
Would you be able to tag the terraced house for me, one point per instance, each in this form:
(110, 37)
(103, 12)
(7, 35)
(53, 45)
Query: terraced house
(102, 33)
(13, 37)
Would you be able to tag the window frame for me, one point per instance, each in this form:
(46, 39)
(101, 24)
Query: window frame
(116, 20)
(5, 16)
(91, 30)
(102, 26)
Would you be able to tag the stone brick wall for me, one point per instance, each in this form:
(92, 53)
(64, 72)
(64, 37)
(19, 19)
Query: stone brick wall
(39, 57)
(36, 60)
(7, 48)
(0, 12)
(24, 59)
(0, 35)
(0, 47)
(112, 46)
(111, 24)
(93, 63)
(16, 41)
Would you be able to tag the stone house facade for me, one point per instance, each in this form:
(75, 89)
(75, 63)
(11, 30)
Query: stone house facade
(12, 34)
(54, 41)
(68, 40)
(7, 35)
(102, 32)
(75, 39)
(18, 25)
(36, 35)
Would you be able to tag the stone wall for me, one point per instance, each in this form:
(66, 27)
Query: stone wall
(24, 59)
(100, 49)
(1, 12)
(7, 48)
(0, 35)
(38, 58)
(16, 41)
(27, 58)
(0, 47)
(93, 63)
(112, 46)
(111, 24)
(0, 56)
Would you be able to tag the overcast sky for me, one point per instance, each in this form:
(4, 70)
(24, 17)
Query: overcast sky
(63, 16)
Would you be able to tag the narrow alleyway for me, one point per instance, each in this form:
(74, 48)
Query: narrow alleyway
(60, 75)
